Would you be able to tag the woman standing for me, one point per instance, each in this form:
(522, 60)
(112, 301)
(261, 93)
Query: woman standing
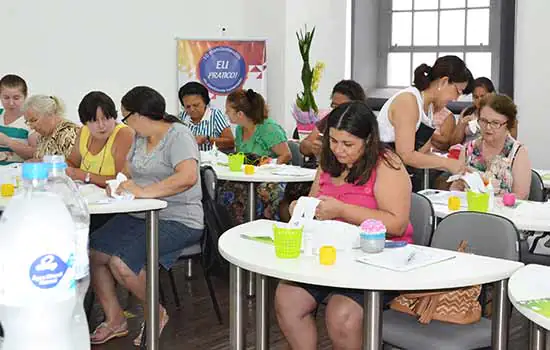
(405, 120)
(209, 125)
(102, 144)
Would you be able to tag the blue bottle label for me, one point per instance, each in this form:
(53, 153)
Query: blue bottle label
(48, 270)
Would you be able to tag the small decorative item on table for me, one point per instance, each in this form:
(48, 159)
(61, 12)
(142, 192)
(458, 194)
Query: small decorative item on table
(454, 203)
(373, 236)
(477, 201)
(327, 255)
(287, 241)
(509, 199)
(236, 161)
(249, 169)
(7, 190)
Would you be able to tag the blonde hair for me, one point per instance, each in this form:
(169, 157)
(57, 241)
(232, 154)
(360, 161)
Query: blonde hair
(45, 105)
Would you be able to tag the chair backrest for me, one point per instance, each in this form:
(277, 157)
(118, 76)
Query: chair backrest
(422, 219)
(297, 157)
(209, 180)
(487, 234)
(536, 193)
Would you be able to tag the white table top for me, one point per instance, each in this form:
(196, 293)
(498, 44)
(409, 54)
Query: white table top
(528, 283)
(263, 174)
(464, 270)
(528, 216)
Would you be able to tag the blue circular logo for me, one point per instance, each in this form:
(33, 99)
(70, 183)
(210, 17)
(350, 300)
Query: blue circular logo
(222, 69)
(47, 271)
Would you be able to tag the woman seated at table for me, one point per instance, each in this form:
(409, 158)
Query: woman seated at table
(496, 154)
(462, 132)
(209, 125)
(344, 91)
(17, 143)
(163, 163)
(45, 115)
(359, 178)
(102, 144)
(261, 136)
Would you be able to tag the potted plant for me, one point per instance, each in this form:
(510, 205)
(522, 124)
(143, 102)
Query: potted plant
(305, 110)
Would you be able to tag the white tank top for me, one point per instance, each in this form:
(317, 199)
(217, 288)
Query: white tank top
(387, 131)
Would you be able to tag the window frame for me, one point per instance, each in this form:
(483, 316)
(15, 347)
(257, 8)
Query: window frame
(384, 43)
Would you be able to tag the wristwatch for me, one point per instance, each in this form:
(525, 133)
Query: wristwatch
(87, 178)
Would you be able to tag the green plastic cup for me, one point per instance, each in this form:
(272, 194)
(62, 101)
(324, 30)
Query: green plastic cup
(478, 201)
(236, 161)
(287, 241)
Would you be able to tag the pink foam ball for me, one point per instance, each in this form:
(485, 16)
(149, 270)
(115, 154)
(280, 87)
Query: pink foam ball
(509, 199)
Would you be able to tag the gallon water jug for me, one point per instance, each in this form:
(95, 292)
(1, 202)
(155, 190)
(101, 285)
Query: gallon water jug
(37, 276)
(61, 184)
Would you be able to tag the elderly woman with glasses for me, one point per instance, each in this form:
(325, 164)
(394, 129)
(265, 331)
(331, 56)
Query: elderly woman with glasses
(45, 115)
(496, 154)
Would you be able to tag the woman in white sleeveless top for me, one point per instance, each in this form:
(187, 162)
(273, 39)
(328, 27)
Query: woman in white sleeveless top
(405, 120)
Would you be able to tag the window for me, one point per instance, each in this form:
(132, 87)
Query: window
(419, 31)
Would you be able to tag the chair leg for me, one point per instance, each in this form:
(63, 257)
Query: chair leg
(174, 288)
(212, 294)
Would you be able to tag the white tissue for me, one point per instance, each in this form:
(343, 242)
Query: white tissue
(473, 180)
(113, 185)
(473, 125)
(304, 211)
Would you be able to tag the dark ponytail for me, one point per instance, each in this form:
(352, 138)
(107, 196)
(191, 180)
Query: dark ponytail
(251, 103)
(449, 66)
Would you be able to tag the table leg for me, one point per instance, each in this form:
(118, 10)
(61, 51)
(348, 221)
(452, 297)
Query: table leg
(262, 312)
(251, 286)
(372, 320)
(426, 179)
(152, 280)
(237, 337)
(501, 315)
(537, 337)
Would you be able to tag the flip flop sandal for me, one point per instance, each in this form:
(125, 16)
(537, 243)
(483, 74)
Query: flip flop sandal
(163, 321)
(110, 334)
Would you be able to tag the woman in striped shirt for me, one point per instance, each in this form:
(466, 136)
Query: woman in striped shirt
(17, 143)
(209, 125)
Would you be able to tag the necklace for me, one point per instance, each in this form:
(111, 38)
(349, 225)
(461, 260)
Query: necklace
(87, 167)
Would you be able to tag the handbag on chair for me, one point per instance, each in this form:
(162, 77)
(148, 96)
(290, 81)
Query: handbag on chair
(458, 306)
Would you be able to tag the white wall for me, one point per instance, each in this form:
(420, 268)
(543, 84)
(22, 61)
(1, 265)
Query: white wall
(532, 78)
(68, 48)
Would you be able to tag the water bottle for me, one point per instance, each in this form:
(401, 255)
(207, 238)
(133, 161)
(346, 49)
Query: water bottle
(37, 277)
(60, 183)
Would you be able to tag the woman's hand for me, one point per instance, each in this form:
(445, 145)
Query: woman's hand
(132, 187)
(200, 139)
(74, 173)
(329, 208)
(455, 166)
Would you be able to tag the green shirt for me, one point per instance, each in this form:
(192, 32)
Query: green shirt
(266, 135)
(17, 130)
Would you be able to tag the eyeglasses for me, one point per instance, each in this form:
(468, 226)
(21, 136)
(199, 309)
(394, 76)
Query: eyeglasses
(29, 122)
(493, 124)
(125, 119)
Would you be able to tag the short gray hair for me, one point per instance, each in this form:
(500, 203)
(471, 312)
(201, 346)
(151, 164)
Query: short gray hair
(45, 105)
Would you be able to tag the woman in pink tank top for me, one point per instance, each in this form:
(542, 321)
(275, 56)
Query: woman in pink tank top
(359, 178)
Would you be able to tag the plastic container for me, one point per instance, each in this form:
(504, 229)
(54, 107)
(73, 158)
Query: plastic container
(373, 236)
(236, 161)
(478, 201)
(327, 255)
(37, 276)
(287, 241)
(453, 203)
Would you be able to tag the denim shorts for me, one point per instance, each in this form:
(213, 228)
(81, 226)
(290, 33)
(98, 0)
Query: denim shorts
(322, 293)
(125, 236)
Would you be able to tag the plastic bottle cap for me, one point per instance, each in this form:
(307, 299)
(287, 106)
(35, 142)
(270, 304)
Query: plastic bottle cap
(35, 171)
(55, 161)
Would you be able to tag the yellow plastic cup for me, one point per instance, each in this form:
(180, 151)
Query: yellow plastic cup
(327, 255)
(249, 169)
(236, 161)
(478, 201)
(7, 190)
(454, 203)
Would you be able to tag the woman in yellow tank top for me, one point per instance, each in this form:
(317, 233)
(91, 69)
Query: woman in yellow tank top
(101, 147)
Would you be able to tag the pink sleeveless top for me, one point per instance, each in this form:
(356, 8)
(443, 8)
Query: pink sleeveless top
(360, 195)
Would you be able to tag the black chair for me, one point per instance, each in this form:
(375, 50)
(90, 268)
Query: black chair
(536, 193)
(422, 218)
(297, 157)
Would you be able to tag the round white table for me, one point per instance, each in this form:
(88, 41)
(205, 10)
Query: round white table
(246, 254)
(531, 282)
(261, 174)
(151, 208)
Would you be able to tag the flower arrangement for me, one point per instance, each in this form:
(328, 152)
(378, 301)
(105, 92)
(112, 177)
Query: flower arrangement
(305, 110)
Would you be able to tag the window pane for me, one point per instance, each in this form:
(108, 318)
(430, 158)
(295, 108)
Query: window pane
(478, 3)
(401, 28)
(402, 5)
(399, 73)
(451, 27)
(452, 4)
(459, 54)
(478, 27)
(422, 57)
(479, 64)
(425, 28)
(425, 4)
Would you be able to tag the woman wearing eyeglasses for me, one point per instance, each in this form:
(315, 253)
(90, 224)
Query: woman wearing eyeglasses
(496, 154)
(406, 119)
(101, 146)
